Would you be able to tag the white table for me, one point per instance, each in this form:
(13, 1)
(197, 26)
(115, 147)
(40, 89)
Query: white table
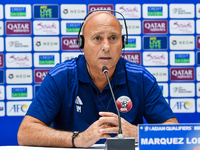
(96, 146)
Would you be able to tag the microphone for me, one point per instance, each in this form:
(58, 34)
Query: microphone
(105, 71)
(119, 143)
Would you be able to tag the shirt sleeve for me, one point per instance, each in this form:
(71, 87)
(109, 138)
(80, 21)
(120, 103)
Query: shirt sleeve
(156, 109)
(47, 103)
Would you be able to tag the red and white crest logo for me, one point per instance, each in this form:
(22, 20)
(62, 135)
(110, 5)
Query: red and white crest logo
(124, 104)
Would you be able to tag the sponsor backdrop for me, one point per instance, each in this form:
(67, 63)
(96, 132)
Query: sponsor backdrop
(34, 37)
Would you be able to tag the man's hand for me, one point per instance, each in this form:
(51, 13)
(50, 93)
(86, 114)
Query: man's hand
(92, 134)
(33, 132)
(128, 130)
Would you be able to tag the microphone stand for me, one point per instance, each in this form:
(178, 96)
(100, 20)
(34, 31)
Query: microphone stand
(120, 142)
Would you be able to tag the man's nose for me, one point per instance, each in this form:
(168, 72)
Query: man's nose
(106, 45)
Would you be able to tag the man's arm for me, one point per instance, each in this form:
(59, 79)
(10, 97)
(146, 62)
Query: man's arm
(171, 121)
(34, 132)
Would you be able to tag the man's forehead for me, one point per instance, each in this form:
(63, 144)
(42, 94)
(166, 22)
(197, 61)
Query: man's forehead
(95, 14)
(98, 18)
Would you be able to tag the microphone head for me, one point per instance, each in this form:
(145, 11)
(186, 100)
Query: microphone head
(104, 69)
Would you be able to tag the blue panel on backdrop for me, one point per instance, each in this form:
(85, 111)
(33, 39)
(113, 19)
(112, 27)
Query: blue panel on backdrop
(1, 76)
(198, 58)
(45, 12)
(155, 43)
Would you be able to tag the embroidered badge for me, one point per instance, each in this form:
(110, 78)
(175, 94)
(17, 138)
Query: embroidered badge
(124, 104)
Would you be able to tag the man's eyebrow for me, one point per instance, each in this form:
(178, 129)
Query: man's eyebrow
(101, 33)
(112, 32)
(97, 33)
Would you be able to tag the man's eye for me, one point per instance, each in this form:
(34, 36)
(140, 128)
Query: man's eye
(97, 38)
(113, 38)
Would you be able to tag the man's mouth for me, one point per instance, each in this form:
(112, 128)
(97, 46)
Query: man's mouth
(105, 58)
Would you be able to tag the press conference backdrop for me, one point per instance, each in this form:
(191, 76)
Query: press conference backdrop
(34, 36)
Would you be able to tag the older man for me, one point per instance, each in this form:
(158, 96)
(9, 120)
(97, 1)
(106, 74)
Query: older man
(75, 95)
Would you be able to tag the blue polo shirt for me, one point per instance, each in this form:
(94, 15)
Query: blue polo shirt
(69, 100)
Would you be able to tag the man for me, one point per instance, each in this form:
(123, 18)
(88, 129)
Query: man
(75, 95)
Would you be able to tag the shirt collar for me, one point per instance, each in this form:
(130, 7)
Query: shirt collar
(83, 74)
(118, 77)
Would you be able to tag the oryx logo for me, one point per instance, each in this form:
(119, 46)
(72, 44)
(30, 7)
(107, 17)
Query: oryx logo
(124, 104)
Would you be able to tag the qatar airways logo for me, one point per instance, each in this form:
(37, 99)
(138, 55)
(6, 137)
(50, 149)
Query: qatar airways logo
(181, 26)
(182, 74)
(155, 59)
(40, 74)
(108, 7)
(46, 27)
(1, 60)
(18, 27)
(69, 43)
(133, 57)
(151, 27)
(198, 42)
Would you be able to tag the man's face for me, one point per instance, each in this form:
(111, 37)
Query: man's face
(103, 41)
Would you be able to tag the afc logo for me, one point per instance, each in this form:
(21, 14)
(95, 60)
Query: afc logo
(19, 108)
(183, 105)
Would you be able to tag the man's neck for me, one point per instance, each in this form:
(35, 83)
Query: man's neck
(99, 78)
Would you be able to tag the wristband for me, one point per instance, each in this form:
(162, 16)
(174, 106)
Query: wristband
(75, 133)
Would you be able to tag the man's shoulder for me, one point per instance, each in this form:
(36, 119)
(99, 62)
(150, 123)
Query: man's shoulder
(67, 68)
(137, 72)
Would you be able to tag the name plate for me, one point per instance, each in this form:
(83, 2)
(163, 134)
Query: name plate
(169, 137)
